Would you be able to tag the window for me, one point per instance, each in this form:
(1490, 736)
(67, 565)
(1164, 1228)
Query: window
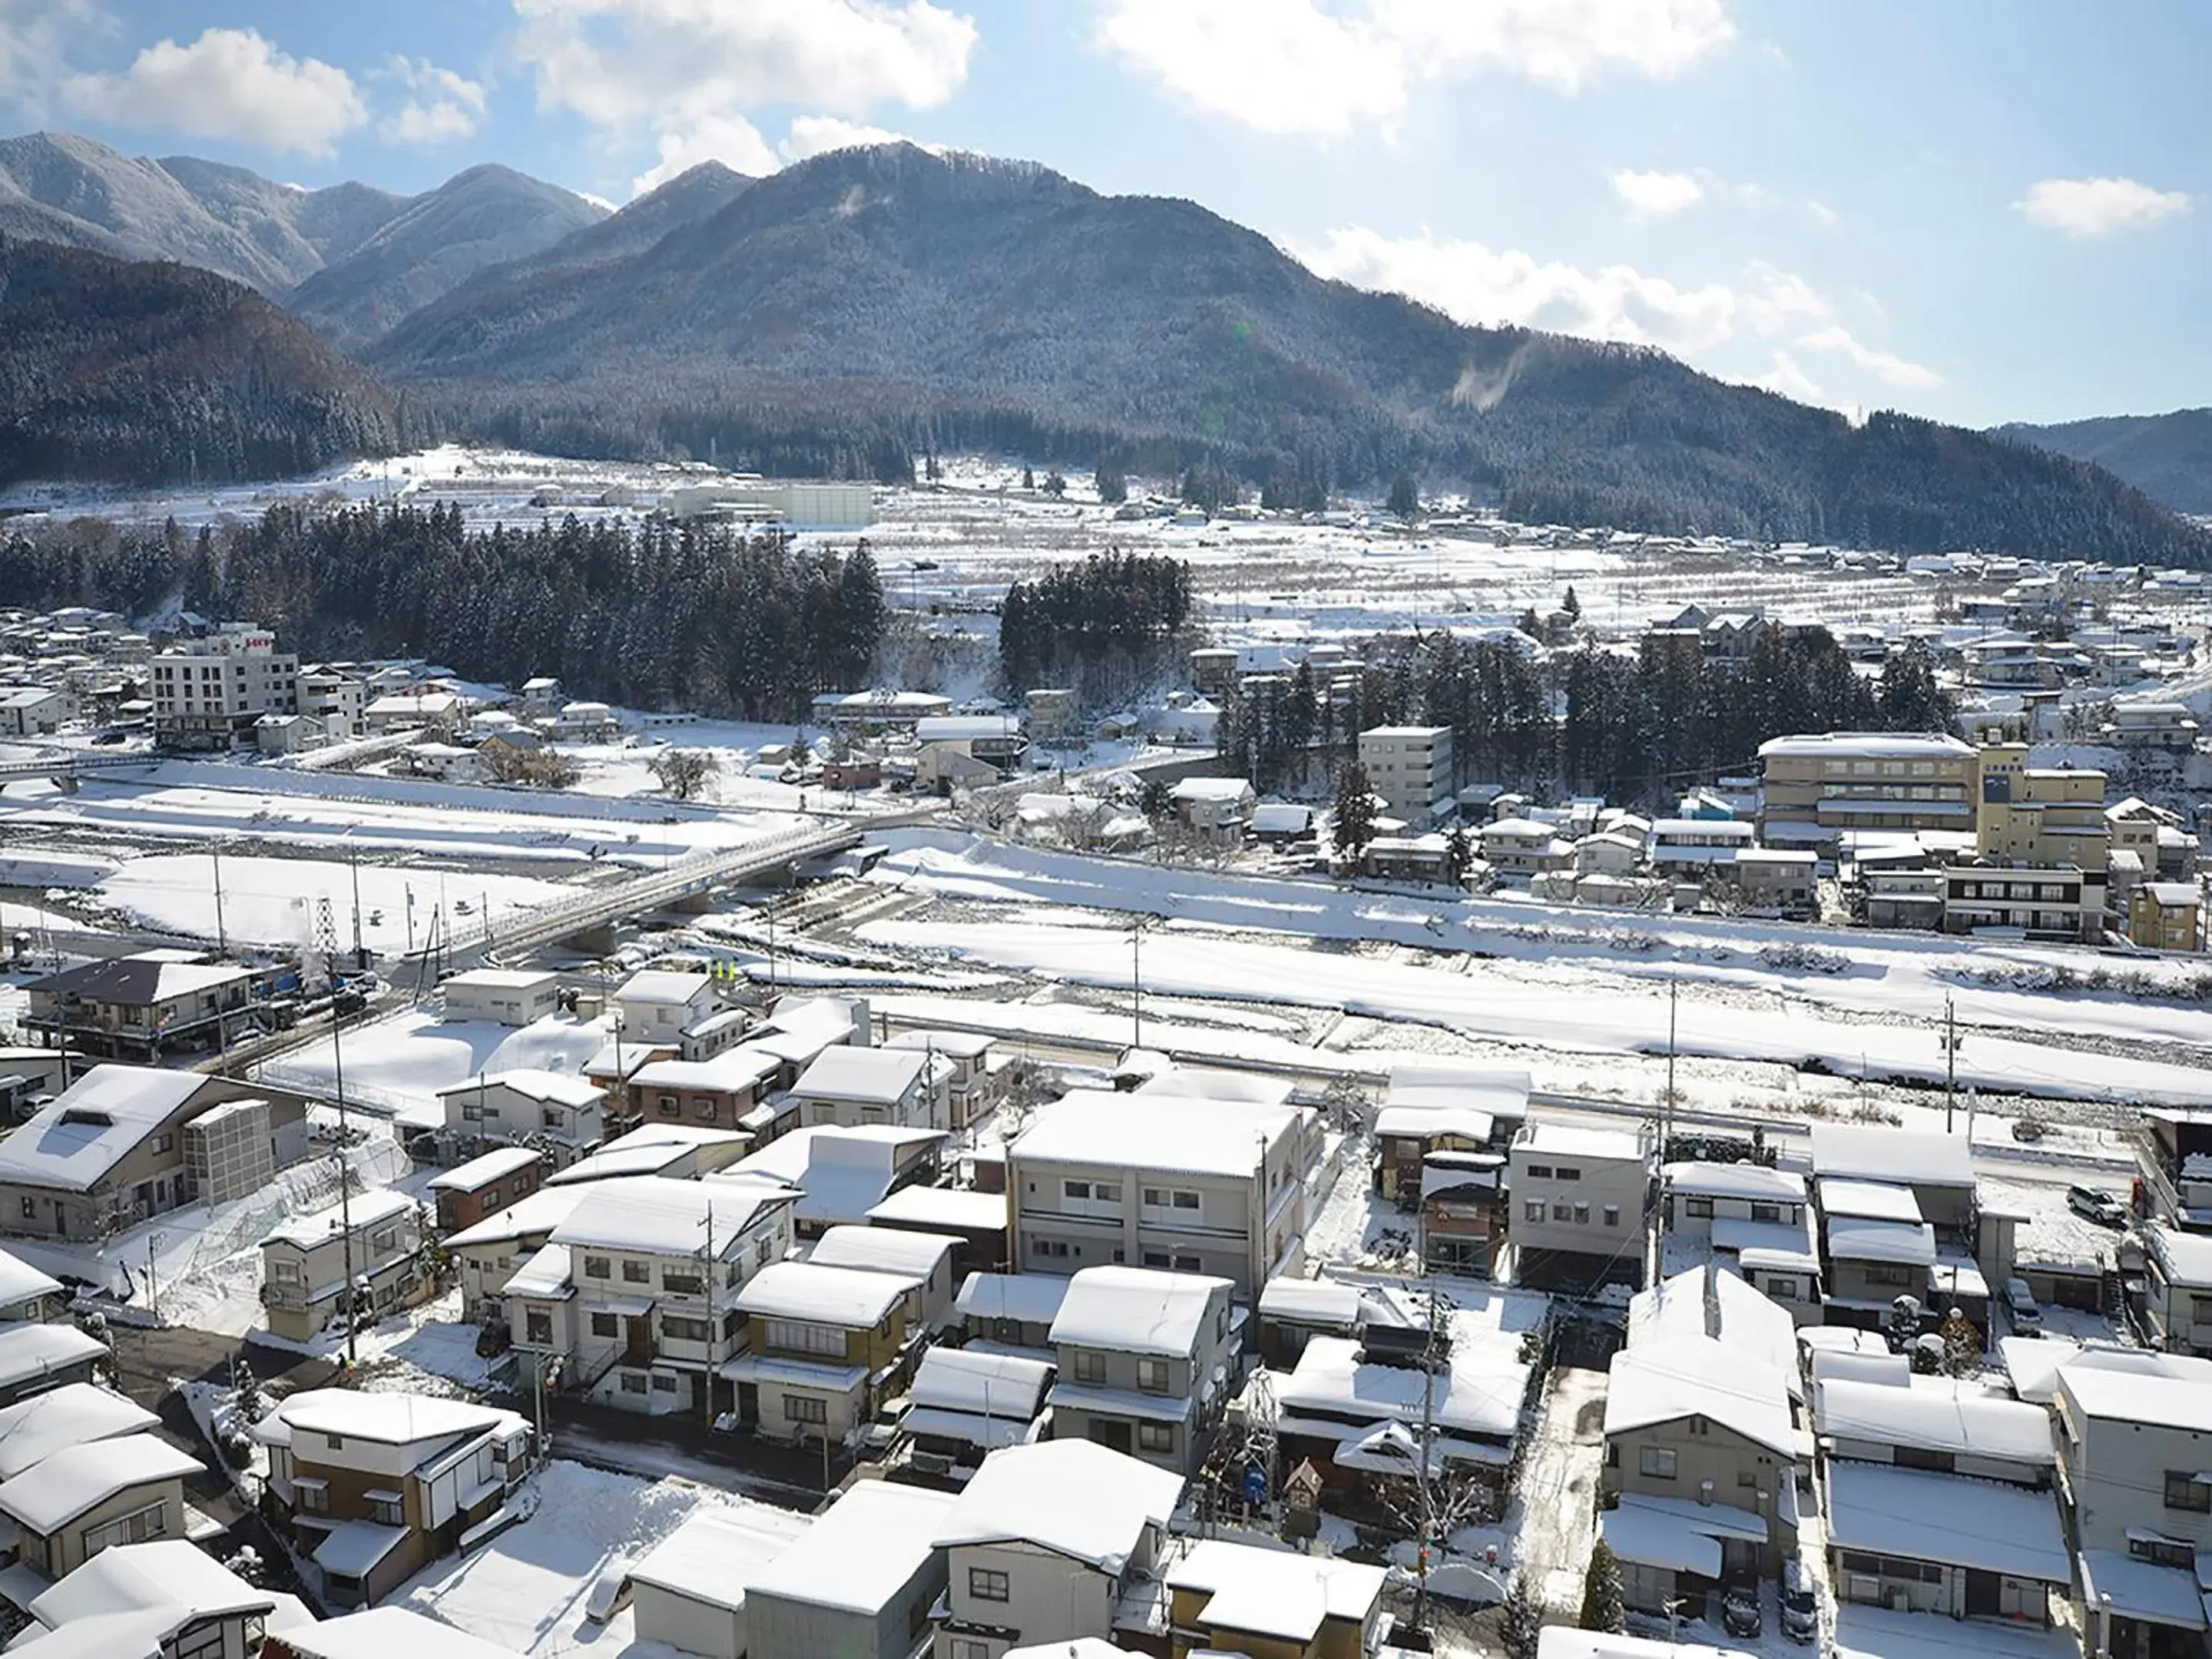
(1090, 1367)
(2185, 1490)
(1658, 1461)
(1533, 1210)
(703, 1107)
(1152, 1375)
(550, 1118)
(1697, 1208)
(1780, 1287)
(964, 1648)
(986, 1584)
(793, 1337)
(1766, 1212)
(311, 1497)
(383, 1239)
(1157, 1259)
(1187, 1264)
(152, 1521)
(633, 1382)
(681, 1284)
(669, 1105)
(1052, 1247)
(1076, 1190)
(1888, 1272)
(605, 1324)
(1700, 1426)
(1569, 1172)
(30, 1209)
(1156, 1436)
(537, 1327)
(163, 1143)
(637, 1272)
(1581, 1214)
(762, 1250)
(596, 1267)
(1612, 1215)
(2166, 1552)
(387, 1508)
(678, 1329)
(664, 1382)
(1561, 1210)
(1541, 1171)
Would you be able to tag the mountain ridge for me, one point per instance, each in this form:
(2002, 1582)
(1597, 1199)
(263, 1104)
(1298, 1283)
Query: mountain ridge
(2168, 456)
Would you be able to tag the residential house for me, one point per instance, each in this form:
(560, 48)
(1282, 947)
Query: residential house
(2177, 1288)
(34, 1358)
(373, 1632)
(963, 1405)
(1912, 1540)
(1009, 1313)
(2166, 915)
(112, 1150)
(843, 1174)
(143, 1005)
(688, 1591)
(655, 1004)
(1524, 847)
(485, 1185)
(77, 1502)
(860, 1583)
(504, 996)
(964, 1065)
(367, 1259)
(847, 1086)
(1026, 1567)
(1408, 858)
(1691, 850)
(1579, 1196)
(679, 1152)
(1938, 1168)
(374, 1486)
(634, 1298)
(951, 747)
(1757, 1219)
(35, 711)
(74, 1414)
(823, 1346)
(561, 1114)
(485, 1256)
(1292, 1312)
(1218, 809)
(1938, 1423)
(163, 1599)
(723, 1092)
(27, 1293)
(1780, 881)
(1227, 1597)
(923, 1260)
(1145, 1362)
(1157, 1180)
(1444, 1106)
(975, 1221)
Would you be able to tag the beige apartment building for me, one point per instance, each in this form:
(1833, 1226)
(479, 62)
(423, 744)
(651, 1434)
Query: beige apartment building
(1409, 766)
(1818, 786)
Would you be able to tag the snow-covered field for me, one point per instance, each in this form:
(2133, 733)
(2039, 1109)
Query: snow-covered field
(1854, 1003)
(524, 1591)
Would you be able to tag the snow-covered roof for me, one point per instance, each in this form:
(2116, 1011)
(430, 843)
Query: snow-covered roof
(956, 1209)
(898, 1250)
(1869, 1152)
(1934, 1414)
(163, 1574)
(961, 1045)
(1676, 1534)
(353, 1548)
(1070, 1496)
(370, 1209)
(1277, 818)
(74, 1414)
(548, 1274)
(1543, 1139)
(1027, 1298)
(652, 1215)
(64, 1485)
(1105, 1130)
(1321, 1301)
(1747, 1180)
(1949, 1518)
(533, 1083)
(861, 1550)
(2161, 1400)
(986, 1384)
(1137, 1311)
(1890, 1370)
(716, 1552)
(143, 979)
(76, 1138)
(1701, 1303)
(1875, 1200)
(2186, 1257)
(20, 1282)
(1562, 1642)
(880, 1077)
(1479, 1392)
(730, 1071)
(29, 1349)
(1851, 1238)
(655, 986)
(1278, 1593)
(498, 979)
(644, 1152)
(1211, 1083)
(856, 1299)
(1901, 745)
(2132, 1588)
(1212, 789)
(389, 1419)
(541, 1212)
(1665, 1381)
(484, 1168)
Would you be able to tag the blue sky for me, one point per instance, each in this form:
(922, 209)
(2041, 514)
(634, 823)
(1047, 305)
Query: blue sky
(1976, 210)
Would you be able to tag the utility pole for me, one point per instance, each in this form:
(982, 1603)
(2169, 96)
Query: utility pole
(1666, 1112)
(1137, 982)
(714, 1330)
(327, 941)
(353, 860)
(1426, 1450)
(221, 938)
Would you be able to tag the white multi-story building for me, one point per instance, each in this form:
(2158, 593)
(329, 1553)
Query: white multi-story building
(209, 693)
(335, 698)
(1409, 766)
(1578, 1197)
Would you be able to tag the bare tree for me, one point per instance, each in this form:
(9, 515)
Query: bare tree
(683, 773)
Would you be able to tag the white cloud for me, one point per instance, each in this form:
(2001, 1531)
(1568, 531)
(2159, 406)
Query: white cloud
(441, 105)
(229, 83)
(684, 71)
(1482, 285)
(1650, 195)
(35, 36)
(1323, 67)
(2098, 207)
(817, 135)
(730, 139)
(1886, 367)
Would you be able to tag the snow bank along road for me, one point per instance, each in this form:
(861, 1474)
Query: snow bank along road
(1554, 978)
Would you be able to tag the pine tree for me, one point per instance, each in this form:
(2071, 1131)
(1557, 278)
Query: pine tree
(1405, 498)
(1113, 488)
(1520, 1622)
(1459, 856)
(1054, 485)
(1029, 479)
(1603, 1608)
(1572, 605)
(1354, 825)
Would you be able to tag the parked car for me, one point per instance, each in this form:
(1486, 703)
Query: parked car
(1740, 1614)
(1801, 1608)
(611, 1590)
(2019, 1303)
(2097, 1206)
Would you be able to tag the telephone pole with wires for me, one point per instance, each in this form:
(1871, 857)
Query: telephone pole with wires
(1951, 1040)
(326, 942)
